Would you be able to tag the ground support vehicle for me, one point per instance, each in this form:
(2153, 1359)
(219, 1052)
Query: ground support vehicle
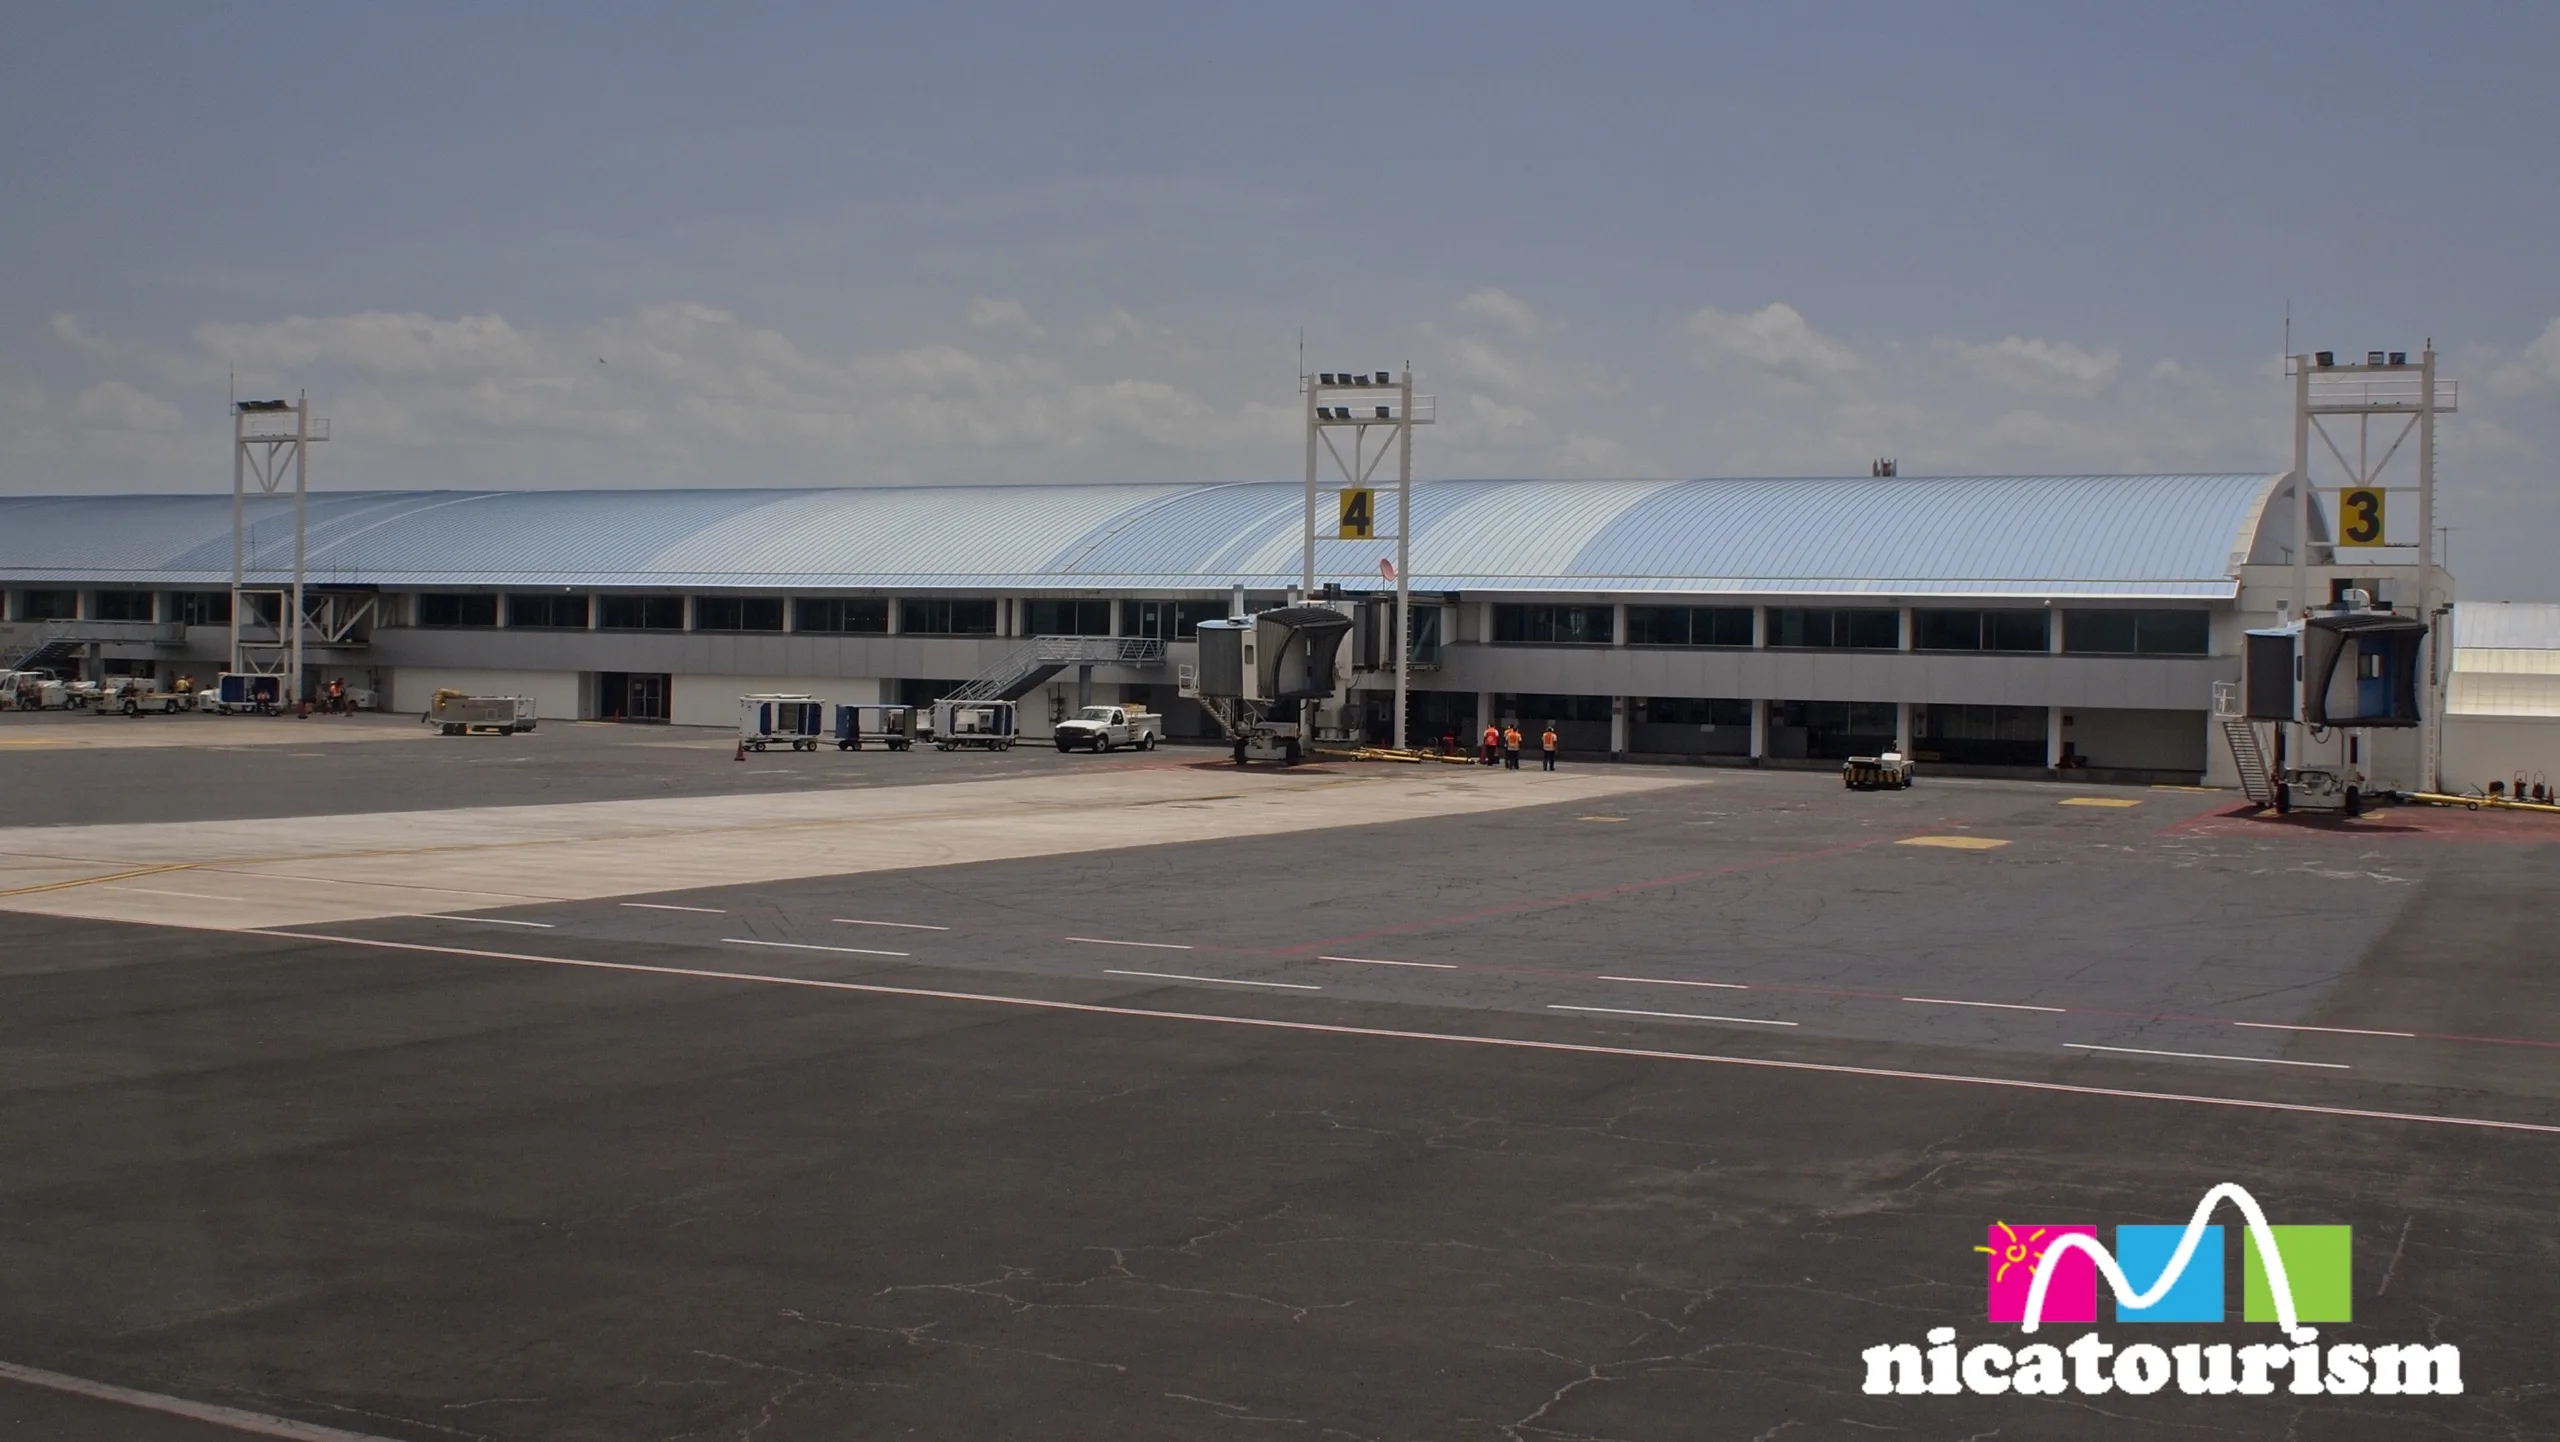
(792, 720)
(454, 714)
(1889, 772)
(891, 726)
(33, 691)
(242, 693)
(148, 703)
(978, 725)
(1108, 728)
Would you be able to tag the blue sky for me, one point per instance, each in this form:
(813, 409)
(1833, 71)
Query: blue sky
(651, 245)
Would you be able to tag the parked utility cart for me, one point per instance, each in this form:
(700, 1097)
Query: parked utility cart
(796, 721)
(1889, 772)
(135, 701)
(1108, 728)
(32, 691)
(891, 726)
(979, 725)
(236, 692)
(454, 714)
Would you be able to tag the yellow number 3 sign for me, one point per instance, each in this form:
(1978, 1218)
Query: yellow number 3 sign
(2360, 516)
(1359, 515)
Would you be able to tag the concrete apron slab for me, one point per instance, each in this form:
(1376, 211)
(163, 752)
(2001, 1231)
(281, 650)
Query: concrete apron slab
(235, 874)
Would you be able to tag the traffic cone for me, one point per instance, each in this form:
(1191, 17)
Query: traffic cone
(742, 750)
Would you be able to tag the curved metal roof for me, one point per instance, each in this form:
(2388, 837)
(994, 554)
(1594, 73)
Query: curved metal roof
(2089, 536)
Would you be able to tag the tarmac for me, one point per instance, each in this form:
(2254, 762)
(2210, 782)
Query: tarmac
(1146, 1096)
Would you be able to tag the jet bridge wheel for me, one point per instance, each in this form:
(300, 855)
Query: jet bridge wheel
(2284, 799)
(2355, 802)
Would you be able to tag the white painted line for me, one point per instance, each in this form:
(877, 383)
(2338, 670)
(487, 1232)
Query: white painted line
(1150, 945)
(189, 895)
(662, 906)
(1673, 1015)
(902, 925)
(809, 946)
(482, 920)
(1381, 961)
(2208, 1056)
(2332, 1030)
(1375, 1033)
(256, 1424)
(1214, 980)
(1669, 981)
(1995, 1005)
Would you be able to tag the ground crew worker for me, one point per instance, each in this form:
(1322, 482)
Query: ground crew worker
(1511, 746)
(1547, 747)
(186, 686)
(337, 696)
(1492, 744)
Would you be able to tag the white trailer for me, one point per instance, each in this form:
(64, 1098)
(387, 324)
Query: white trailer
(979, 725)
(454, 714)
(796, 720)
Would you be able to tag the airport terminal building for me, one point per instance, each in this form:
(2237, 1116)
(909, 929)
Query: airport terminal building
(2007, 624)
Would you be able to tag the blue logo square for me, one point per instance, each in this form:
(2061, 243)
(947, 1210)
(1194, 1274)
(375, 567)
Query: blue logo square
(2144, 1252)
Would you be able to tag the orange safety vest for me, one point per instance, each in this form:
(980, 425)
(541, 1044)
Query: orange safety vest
(1548, 740)
(1492, 737)
(1511, 738)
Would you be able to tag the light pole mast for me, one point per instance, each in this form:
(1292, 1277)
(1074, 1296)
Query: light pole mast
(1381, 402)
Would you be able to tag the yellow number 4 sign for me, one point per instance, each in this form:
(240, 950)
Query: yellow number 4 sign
(2360, 516)
(1359, 515)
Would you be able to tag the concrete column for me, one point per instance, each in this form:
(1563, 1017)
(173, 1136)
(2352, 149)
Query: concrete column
(1484, 716)
(1906, 628)
(2053, 738)
(791, 619)
(689, 619)
(1759, 730)
(1119, 618)
(1759, 642)
(893, 615)
(595, 612)
(1084, 687)
(1618, 713)
(1618, 637)
(1902, 727)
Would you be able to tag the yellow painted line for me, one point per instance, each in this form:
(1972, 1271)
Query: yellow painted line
(2098, 801)
(94, 880)
(36, 741)
(1600, 818)
(1953, 843)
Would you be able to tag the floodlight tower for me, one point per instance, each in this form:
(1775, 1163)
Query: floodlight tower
(2388, 384)
(1356, 403)
(268, 439)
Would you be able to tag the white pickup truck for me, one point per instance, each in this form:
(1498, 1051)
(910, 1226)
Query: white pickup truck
(1107, 728)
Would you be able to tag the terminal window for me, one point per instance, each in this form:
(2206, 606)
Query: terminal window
(1552, 625)
(2138, 633)
(200, 608)
(547, 610)
(448, 608)
(737, 613)
(841, 615)
(46, 606)
(1067, 618)
(1864, 629)
(1168, 620)
(640, 613)
(947, 618)
(1688, 625)
(120, 606)
(1935, 630)
(1979, 735)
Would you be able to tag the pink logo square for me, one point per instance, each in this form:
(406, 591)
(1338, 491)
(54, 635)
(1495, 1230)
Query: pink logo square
(2014, 1250)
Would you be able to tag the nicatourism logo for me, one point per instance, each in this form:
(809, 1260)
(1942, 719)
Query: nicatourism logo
(2290, 1276)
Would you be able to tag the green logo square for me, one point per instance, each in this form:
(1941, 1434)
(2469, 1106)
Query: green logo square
(2319, 1262)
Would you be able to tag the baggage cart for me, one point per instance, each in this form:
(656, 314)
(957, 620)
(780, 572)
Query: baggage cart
(779, 720)
(891, 726)
(454, 714)
(977, 725)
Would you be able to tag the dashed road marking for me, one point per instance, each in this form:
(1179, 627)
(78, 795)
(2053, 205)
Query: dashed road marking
(1953, 843)
(1214, 980)
(2207, 1056)
(480, 920)
(1673, 1015)
(663, 906)
(1150, 945)
(1995, 1005)
(1671, 981)
(2334, 1030)
(1382, 961)
(809, 946)
(902, 925)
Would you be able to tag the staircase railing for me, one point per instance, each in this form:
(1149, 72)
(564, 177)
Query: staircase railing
(1044, 656)
(2241, 735)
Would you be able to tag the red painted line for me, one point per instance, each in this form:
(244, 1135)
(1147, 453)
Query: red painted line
(1453, 1038)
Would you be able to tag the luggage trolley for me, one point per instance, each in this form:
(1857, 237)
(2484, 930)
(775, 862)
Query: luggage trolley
(765, 721)
(891, 726)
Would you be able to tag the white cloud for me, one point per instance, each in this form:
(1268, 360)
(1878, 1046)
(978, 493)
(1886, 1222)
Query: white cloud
(1774, 338)
(73, 331)
(988, 313)
(1504, 309)
(2025, 364)
(116, 406)
(1112, 327)
(2536, 367)
(376, 341)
